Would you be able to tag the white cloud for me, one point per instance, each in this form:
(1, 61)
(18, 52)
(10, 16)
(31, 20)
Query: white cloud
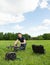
(6, 18)
(46, 22)
(44, 4)
(12, 11)
(40, 29)
(17, 27)
(33, 31)
(11, 28)
(18, 6)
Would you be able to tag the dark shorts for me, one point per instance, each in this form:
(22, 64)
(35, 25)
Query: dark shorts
(22, 46)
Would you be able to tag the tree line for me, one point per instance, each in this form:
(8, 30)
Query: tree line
(14, 36)
(45, 36)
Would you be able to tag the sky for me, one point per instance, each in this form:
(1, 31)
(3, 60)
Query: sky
(25, 16)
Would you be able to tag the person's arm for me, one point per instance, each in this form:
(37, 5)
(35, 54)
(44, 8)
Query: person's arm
(24, 41)
(16, 42)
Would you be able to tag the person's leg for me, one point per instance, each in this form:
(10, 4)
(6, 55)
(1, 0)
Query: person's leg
(22, 46)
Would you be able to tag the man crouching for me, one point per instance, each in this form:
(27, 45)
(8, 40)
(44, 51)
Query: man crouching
(22, 42)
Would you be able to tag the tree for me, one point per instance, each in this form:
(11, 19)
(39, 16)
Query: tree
(34, 38)
(1, 35)
(40, 37)
(46, 36)
(27, 37)
(5, 36)
(14, 36)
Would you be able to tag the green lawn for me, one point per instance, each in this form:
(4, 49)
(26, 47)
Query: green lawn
(26, 57)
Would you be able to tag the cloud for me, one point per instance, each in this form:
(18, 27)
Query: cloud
(33, 31)
(40, 29)
(18, 6)
(11, 11)
(11, 28)
(46, 22)
(45, 4)
(6, 18)
(17, 27)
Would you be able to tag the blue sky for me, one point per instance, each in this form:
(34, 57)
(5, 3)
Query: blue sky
(25, 16)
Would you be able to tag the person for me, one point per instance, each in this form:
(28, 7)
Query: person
(22, 42)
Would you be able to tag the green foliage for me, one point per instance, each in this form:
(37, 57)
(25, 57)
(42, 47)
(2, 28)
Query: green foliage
(13, 36)
(1, 35)
(42, 37)
(34, 38)
(27, 37)
(46, 36)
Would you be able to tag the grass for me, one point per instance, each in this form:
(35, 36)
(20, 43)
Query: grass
(26, 57)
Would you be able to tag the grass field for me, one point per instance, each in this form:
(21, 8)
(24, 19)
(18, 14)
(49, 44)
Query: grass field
(26, 57)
